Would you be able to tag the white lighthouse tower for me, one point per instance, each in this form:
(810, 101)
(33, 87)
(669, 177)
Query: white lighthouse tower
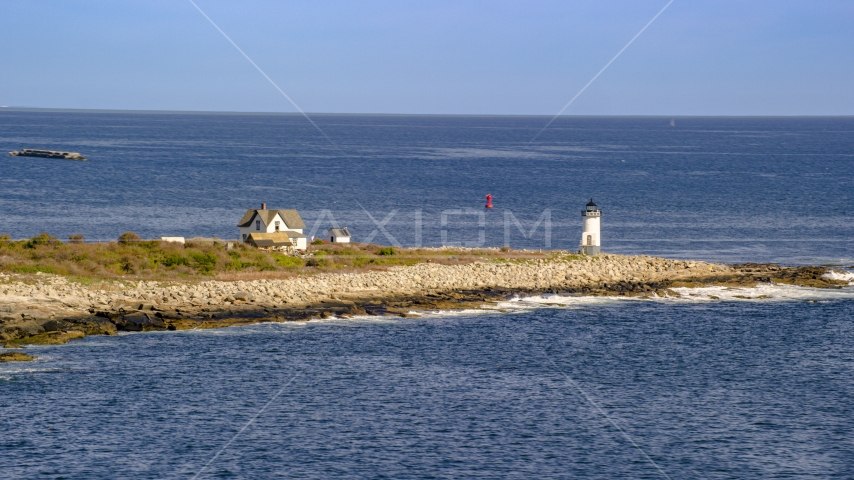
(590, 240)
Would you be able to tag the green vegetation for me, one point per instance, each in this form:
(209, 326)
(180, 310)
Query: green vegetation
(153, 259)
(288, 261)
(33, 269)
(43, 239)
(129, 237)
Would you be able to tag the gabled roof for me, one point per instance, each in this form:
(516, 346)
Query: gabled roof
(291, 217)
(339, 232)
(246, 220)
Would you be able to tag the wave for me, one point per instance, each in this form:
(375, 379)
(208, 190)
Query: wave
(760, 293)
(10, 372)
(763, 293)
(840, 275)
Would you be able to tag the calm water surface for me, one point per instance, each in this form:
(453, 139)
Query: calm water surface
(724, 189)
(733, 388)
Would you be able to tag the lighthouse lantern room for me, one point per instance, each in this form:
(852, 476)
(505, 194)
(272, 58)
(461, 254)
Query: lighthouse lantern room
(590, 240)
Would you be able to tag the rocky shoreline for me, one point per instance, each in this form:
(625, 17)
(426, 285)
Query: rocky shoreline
(51, 309)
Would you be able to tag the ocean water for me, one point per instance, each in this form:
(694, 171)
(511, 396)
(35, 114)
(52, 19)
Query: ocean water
(722, 189)
(721, 383)
(744, 389)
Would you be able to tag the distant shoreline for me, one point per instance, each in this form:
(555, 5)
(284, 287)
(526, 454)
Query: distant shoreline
(331, 114)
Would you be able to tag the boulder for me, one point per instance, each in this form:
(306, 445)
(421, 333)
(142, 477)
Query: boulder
(20, 329)
(53, 325)
(90, 325)
(139, 322)
(16, 357)
(49, 338)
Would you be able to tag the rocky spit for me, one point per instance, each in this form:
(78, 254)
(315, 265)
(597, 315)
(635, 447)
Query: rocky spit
(49, 309)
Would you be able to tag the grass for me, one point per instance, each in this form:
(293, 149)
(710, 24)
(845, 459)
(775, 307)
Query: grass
(155, 260)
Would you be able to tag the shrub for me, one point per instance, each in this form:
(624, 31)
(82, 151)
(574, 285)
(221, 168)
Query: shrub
(204, 261)
(43, 239)
(318, 241)
(174, 259)
(5, 238)
(288, 261)
(239, 265)
(126, 265)
(386, 251)
(129, 237)
(76, 238)
(34, 269)
(316, 262)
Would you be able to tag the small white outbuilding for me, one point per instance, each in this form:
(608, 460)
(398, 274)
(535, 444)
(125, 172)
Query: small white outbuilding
(338, 235)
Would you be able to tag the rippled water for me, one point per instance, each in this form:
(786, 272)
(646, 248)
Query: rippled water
(722, 189)
(745, 389)
(721, 383)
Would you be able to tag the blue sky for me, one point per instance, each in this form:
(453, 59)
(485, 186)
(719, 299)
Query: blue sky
(718, 57)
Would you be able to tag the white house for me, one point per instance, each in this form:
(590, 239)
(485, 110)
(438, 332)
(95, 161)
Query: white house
(590, 238)
(272, 221)
(338, 235)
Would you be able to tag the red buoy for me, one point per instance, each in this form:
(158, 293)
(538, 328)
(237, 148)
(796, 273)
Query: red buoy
(488, 200)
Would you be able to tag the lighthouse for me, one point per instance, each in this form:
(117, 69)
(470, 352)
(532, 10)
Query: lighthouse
(590, 240)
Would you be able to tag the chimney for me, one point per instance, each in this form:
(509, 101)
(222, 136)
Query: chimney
(263, 206)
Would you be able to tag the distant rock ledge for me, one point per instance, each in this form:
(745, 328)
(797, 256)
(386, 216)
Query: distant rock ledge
(51, 309)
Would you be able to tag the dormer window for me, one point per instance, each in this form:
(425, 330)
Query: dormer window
(257, 224)
(277, 226)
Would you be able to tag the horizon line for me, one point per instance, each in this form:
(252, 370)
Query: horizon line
(239, 112)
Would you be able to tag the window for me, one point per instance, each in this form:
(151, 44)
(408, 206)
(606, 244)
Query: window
(244, 237)
(277, 225)
(257, 224)
(589, 239)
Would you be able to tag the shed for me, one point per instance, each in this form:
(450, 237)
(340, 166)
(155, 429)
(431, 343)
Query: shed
(271, 241)
(338, 235)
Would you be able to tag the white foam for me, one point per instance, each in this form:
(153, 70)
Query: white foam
(840, 275)
(351, 320)
(9, 373)
(763, 293)
(520, 304)
(468, 312)
(759, 293)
